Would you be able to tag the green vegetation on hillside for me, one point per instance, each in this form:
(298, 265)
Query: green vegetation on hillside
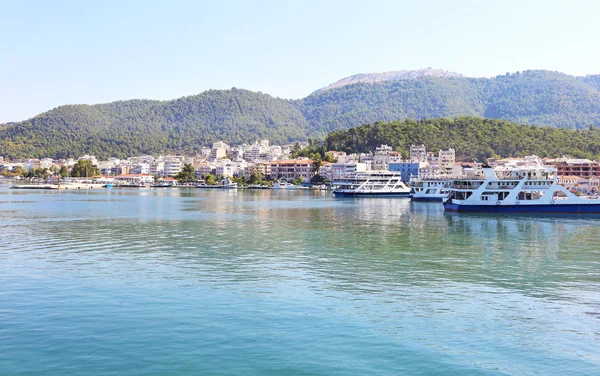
(472, 138)
(531, 97)
(137, 127)
(235, 116)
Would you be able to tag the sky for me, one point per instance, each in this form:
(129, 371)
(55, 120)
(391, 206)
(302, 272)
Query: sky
(70, 52)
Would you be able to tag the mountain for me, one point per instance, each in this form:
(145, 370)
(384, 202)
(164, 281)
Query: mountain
(186, 124)
(472, 138)
(370, 78)
(136, 127)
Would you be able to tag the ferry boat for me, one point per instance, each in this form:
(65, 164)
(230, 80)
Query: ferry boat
(429, 190)
(372, 184)
(516, 196)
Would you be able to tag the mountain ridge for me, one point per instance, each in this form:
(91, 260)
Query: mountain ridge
(389, 76)
(185, 124)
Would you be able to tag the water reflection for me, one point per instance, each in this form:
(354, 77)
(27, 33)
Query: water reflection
(407, 271)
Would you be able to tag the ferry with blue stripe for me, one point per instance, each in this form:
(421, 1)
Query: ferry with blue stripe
(516, 196)
(378, 183)
(429, 190)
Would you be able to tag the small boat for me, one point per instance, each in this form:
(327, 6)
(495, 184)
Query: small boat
(225, 184)
(257, 186)
(516, 196)
(282, 184)
(377, 183)
(127, 185)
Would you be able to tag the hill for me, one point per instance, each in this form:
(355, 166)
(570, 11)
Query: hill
(136, 127)
(531, 97)
(472, 138)
(389, 76)
(186, 124)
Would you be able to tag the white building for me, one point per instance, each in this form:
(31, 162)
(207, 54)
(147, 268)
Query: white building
(447, 158)
(418, 153)
(173, 165)
(380, 159)
(218, 151)
(141, 168)
(340, 170)
(157, 167)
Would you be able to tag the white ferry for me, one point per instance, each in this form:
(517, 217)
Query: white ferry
(429, 190)
(371, 183)
(518, 196)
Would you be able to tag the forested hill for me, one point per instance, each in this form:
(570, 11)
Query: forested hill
(531, 97)
(135, 127)
(185, 125)
(472, 138)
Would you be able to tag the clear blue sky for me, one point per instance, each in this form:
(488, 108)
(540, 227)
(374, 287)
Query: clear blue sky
(66, 52)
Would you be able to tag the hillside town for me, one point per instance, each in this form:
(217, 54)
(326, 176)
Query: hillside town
(276, 163)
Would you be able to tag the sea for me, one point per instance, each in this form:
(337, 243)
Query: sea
(240, 282)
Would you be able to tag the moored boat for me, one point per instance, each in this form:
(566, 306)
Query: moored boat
(282, 184)
(516, 196)
(429, 190)
(371, 184)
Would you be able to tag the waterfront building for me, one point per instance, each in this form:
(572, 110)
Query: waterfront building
(134, 178)
(204, 169)
(577, 167)
(290, 169)
(408, 169)
(342, 170)
(173, 165)
(261, 167)
(227, 170)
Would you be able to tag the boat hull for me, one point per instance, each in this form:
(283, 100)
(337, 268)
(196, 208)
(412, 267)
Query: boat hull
(428, 199)
(372, 194)
(526, 209)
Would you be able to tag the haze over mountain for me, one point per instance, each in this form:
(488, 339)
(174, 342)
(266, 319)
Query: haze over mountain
(390, 76)
(186, 124)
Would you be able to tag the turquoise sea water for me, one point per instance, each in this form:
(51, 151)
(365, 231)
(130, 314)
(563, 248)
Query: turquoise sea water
(197, 282)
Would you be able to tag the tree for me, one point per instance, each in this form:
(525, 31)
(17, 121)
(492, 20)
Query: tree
(187, 174)
(210, 179)
(83, 169)
(316, 165)
(64, 171)
(256, 178)
(20, 171)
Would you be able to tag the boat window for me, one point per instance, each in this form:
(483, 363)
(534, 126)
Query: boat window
(530, 195)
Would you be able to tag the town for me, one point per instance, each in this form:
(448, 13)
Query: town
(264, 163)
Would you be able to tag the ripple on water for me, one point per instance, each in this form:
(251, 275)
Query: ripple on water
(290, 283)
